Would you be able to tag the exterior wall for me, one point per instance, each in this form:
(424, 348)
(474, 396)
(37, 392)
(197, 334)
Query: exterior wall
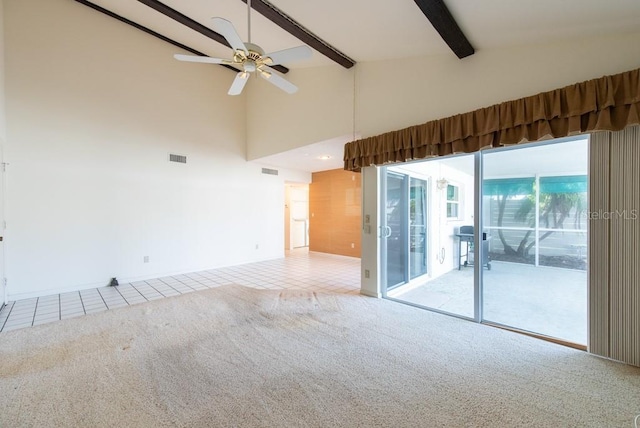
(335, 212)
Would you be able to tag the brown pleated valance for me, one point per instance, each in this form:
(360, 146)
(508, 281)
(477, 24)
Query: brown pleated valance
(609, 103)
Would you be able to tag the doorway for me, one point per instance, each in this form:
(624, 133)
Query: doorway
(440, 204)
(406, 228)
(296, 216)
(535, 216)
(525, 270)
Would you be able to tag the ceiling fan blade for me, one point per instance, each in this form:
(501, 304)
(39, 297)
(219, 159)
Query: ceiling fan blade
(203, 59)
(289, 55)
(226, 28)
(272, 77)
(238, 83)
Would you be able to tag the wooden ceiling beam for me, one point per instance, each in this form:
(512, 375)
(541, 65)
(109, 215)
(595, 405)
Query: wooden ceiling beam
(194, 25)
(146, 30)
(442, 20)
(294, 28)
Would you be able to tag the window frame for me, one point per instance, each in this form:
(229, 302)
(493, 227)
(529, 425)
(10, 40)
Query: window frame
(453, 202)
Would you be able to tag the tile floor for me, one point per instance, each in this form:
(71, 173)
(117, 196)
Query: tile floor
(300, 269)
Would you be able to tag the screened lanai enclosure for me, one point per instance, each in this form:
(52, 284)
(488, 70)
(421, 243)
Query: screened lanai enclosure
(526, 270)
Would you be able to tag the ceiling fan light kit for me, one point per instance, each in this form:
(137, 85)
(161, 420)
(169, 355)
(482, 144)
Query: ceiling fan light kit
(250, 57)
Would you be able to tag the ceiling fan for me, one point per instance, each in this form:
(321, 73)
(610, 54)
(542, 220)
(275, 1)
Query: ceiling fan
(251, 57)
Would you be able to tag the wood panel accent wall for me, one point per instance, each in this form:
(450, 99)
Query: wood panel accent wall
(614, 245)
(335, 212)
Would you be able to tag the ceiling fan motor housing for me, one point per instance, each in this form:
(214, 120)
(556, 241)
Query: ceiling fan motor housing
(255, 51)
(249, 66)
(251, 58)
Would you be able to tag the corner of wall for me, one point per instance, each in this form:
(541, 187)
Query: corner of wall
(370, 286)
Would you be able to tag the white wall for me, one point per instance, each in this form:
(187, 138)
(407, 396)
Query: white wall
(372, 211)
(392, 95)
(93, 109)
(94, 106)
(321, 109)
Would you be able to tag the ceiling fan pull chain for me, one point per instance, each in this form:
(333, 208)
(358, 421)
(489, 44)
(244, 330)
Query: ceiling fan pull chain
(249, 20)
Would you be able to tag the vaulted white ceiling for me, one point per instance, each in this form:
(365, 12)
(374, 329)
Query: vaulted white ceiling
(369, 30)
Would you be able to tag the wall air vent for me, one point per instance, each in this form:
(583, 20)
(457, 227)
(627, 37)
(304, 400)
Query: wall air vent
(269, 171)
(177, 158)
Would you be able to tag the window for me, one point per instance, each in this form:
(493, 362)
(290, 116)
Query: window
(453, 201)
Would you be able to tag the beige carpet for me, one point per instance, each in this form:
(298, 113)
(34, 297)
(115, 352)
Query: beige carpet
(235, 356)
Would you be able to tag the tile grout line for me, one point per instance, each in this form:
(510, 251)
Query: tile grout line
(157, 291)
(143, 296)
(245, 276)
(187, 285)
(123, 298)
(103, 301)
(137, 291)
(169, 285)
(82, 302)
(34, 312)
(8, 315)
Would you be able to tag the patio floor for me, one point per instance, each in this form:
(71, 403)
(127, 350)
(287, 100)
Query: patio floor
(544, 300)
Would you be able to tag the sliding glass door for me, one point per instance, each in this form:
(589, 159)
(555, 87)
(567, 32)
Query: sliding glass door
(396, 230)
(438, 203)
(405, 228)
(535, 216)
(417, 228)
(525, 268)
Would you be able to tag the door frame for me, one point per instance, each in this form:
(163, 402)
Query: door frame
(397, 169)
(407, 176)
(478, 225)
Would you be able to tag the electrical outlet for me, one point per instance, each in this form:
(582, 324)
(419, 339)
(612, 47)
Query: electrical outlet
(146, 259)
(257, 246)
(366, 273)
(353, 245)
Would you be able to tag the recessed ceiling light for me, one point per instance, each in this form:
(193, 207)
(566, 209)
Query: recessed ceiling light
(324, 157)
